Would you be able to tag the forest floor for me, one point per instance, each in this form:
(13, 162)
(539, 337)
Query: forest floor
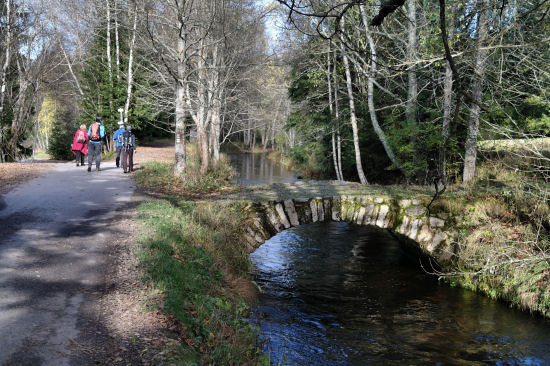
(12, 174)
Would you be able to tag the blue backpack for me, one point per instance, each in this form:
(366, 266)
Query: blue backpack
(119, 139)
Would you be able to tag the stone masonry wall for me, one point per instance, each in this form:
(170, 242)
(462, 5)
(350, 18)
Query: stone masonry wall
(408, 217)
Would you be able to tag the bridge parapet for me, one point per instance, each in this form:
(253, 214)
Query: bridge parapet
(405, 217)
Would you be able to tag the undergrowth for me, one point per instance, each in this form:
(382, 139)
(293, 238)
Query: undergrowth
(503, 242)
(159, 178)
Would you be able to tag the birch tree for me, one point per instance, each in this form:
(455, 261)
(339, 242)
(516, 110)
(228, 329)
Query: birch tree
(482, 29)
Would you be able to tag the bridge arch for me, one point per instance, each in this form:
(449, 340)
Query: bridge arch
(407, 218)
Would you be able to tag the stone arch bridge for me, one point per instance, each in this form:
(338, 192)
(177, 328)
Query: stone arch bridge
(408, 219)
(446, 233)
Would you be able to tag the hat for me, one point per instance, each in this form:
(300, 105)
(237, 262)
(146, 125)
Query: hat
(129, 128)
(120, 123)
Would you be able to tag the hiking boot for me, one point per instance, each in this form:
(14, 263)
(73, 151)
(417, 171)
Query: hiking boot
(89, 168)
(98, 169)
(77, 164)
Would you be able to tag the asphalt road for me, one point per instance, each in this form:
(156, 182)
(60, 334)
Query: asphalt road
(54, 242)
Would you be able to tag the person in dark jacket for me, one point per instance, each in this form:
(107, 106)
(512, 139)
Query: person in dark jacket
(80, 145)
(128, 149)
(96, 134)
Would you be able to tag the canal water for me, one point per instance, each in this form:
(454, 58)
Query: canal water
(257, 169)
(341, 294)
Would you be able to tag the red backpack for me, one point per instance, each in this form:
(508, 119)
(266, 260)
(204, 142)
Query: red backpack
(95, 135)
(81, 136)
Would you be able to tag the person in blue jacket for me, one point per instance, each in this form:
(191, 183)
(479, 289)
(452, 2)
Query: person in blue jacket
(96, 134)
(118, 141)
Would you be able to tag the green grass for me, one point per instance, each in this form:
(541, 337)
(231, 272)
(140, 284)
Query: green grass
(194, 257)
(42, 155)
(190, 253)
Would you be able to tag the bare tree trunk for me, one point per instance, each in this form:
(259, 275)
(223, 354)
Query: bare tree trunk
(202, 118)
(3, 87)
(470, 153)
(370, 91)
(216, 122)
(130, 66)
(353, 121)
(331, 108)
(7, 55)
(447, 113)
(180, 163)
(21, 112)
(109, 64)
(337, 117)
(411, 106)
(117, 46)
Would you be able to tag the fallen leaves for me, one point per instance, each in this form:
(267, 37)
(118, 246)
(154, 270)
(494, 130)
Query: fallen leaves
(12, 174)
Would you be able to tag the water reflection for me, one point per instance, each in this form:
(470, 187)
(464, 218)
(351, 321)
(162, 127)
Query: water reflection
(257, 169)
(340, 294)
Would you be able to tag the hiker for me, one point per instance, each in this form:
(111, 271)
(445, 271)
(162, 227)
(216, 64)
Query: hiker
(118, 141)
(128, 149)
(96, 133)
(80, 145)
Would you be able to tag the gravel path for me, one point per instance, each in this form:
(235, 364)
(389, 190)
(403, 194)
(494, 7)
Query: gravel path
(57, 230)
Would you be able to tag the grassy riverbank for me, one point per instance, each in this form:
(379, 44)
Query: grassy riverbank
(501, 250)
(193, 256)
(502, 247)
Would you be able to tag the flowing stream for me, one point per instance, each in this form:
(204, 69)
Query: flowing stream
(341, 294)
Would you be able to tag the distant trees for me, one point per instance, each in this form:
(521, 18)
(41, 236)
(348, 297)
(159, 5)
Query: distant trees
(25, 59)
(208, 51)
(428, 99)
(172, 66)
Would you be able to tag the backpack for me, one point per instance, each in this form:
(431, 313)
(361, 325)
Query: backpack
(119, 139)
(127, 140)
(95, 135)
(81, 137)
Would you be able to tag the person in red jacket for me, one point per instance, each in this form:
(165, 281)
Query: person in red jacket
(80, 145)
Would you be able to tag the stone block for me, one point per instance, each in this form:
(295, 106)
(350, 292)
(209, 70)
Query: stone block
(437, 239)
(405, 203)
(425, 234)
(368, 214)
(313, 207)
(327, 208)
(360, 215)
(335, 209)
(436, 222)
(382, 213)
(282, 215)
(272, 218)
(291, 212)
(374, 215)
(320, 210)
(416, 211)
(415, 227)
(404, 225)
